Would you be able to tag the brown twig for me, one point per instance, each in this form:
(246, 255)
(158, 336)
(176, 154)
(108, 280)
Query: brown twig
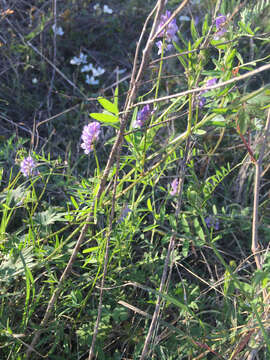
(258, 170)
(245, 142)
(134, 69)
(49, 100)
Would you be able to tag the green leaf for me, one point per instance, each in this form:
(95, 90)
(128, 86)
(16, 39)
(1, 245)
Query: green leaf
(149, 205)
(197, 43)
(105, 118)
(109, 106)
(243, 121)
(185, 248)
(182, 61)
(181, 58)
(246, 28)
(218, 44)
(205, 25)
(230, 57)
(220, 110)
(129, 139)
(199, 229)
(239, 57)
(116, 97)
(192, 196)
(218, 121)
(185, 224)
(199, 132)
(216, 238)
(74, 202)
(193, 31)
(48, 217)
(94, 248)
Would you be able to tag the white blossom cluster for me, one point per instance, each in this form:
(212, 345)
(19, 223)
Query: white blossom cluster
(87, 67)
(106, 8)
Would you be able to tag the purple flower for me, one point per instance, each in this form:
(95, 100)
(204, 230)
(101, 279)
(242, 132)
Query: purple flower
(159, 45)
(220, 21)
(169, 33)
(211, 82)
(174, 186)
(202, 99)
(28, 166)
(171, 29)
(142, 116)
(212, 222)
(167, 47)
(89, 136)
(220, 26)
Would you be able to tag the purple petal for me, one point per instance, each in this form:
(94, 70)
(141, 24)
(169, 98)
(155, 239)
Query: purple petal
(174, 186)
(27, 166)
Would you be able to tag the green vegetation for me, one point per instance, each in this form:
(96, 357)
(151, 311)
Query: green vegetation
(134, 195)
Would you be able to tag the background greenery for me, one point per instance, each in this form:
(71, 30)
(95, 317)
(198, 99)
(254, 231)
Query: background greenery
(213, 306)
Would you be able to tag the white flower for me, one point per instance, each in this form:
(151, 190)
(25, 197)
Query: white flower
(57, 30)
(87, 68)
(34, 80)
(91, 80)
(82, 59)
(107, 10)
(184, 18)
(96, 6)
(99, 71)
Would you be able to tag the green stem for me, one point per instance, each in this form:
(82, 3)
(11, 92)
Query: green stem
(97, 163)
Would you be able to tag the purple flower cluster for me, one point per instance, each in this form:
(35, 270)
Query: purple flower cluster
(89, 136)
(202, 99)
(220, 26)
(28, 166)
(211, 82)
(212, 222)
(142, 116)
(169, 33)
(174, 186)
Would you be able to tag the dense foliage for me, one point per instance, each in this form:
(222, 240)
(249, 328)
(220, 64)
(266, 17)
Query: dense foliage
(134, 193)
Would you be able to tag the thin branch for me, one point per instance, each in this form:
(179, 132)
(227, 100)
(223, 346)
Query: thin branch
(216, 86)
(49, 102)
(258, 171)
(139, 44)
